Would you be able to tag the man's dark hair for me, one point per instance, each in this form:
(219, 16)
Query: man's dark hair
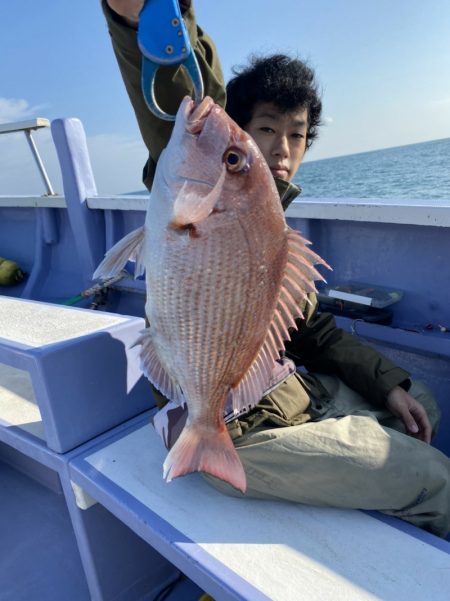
(287, 82)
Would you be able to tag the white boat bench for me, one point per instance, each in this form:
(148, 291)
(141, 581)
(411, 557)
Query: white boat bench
(56, 379)
(252, 549)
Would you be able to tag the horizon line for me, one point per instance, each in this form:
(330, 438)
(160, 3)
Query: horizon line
(340, 156)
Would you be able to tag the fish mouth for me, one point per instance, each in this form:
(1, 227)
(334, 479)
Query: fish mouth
(197, 114)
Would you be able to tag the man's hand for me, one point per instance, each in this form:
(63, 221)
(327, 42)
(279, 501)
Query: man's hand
(411, 412)
(130, 9)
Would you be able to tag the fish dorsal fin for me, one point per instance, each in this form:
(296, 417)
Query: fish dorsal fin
(155, 371)
(130, 248)
(298, 280)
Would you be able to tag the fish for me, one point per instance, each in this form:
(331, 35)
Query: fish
(225, 280)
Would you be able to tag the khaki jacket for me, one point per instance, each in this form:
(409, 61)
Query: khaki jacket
(318, 345)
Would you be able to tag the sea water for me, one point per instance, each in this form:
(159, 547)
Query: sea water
(416, 171)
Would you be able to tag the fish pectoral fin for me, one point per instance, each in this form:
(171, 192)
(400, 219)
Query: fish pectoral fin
(210, 451)
(191, 206)
(130, 248)
(155, 371)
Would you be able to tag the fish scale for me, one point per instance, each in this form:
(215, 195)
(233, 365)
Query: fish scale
(222, 282)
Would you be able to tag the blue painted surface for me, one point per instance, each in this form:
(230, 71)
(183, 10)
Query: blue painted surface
(54, 270)
(119, 560)
(37, 543)
(408, 257)
(116, 563)
(79, 183)
(31, 446)
(40, 554)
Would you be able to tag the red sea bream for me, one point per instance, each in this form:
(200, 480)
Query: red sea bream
(225, 280)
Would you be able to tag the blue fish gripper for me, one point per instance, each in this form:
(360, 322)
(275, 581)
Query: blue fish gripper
(164, 41)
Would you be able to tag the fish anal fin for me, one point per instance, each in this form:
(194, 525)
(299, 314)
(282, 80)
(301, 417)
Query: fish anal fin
(251, 388)
(155, 371)
(130, 248)
(201, 450)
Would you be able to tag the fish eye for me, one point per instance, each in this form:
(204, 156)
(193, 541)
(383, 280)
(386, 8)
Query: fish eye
(235, 160)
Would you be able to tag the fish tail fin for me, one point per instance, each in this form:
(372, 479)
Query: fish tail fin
(212, 452)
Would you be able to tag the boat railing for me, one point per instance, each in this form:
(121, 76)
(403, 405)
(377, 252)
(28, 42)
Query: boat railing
(27, 127)
(401, 211)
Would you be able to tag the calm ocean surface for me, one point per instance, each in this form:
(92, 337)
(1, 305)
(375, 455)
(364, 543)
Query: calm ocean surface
(416, 171)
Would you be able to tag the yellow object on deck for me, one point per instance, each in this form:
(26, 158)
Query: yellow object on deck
(10, 272)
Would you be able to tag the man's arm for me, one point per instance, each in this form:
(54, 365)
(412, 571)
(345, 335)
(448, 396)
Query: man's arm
(322, 347)
(172, 83)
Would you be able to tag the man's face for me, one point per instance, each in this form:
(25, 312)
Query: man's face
(281, 137)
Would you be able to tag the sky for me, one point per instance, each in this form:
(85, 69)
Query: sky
(383, 67)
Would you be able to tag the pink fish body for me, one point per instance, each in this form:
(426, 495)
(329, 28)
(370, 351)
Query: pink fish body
(225, 279)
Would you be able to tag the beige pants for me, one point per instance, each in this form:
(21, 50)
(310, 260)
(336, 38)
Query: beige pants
(351, 457)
